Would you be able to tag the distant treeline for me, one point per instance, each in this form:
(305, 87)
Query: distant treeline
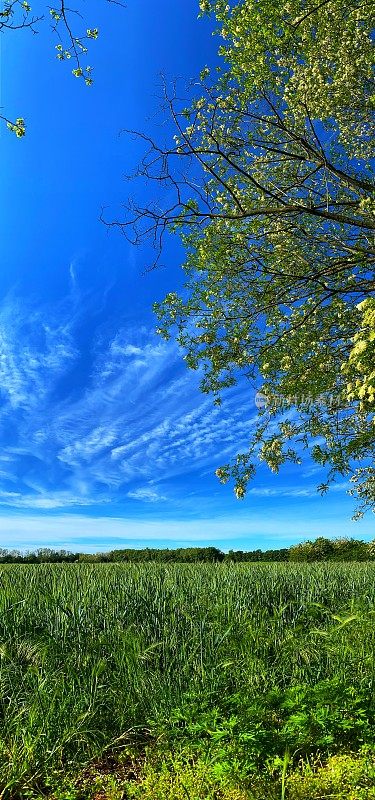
(319, 550)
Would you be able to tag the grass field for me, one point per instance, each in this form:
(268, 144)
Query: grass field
(230, 676)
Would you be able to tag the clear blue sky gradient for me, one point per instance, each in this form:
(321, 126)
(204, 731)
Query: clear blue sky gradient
(105, 437)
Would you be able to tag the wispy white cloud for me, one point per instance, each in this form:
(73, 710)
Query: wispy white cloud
(81, 425)
(295, 491)
(49, 500)
(110, 421)
(79, 532)
(73, 276)
(34, 352)
(146, 493)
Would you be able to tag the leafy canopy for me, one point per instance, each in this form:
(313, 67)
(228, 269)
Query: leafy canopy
(272, 189)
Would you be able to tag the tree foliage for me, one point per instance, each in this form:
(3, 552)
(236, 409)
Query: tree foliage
(68, 29)
(339, 549)
(269, 183)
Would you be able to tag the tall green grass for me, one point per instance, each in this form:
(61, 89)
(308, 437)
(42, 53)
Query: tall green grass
(265, 659)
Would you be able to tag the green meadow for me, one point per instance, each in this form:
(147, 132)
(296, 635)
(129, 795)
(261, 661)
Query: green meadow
(187, 681)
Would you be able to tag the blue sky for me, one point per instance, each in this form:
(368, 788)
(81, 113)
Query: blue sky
(105, 437)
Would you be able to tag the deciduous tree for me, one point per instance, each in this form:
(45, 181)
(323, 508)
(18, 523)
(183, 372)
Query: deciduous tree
(269, 183)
